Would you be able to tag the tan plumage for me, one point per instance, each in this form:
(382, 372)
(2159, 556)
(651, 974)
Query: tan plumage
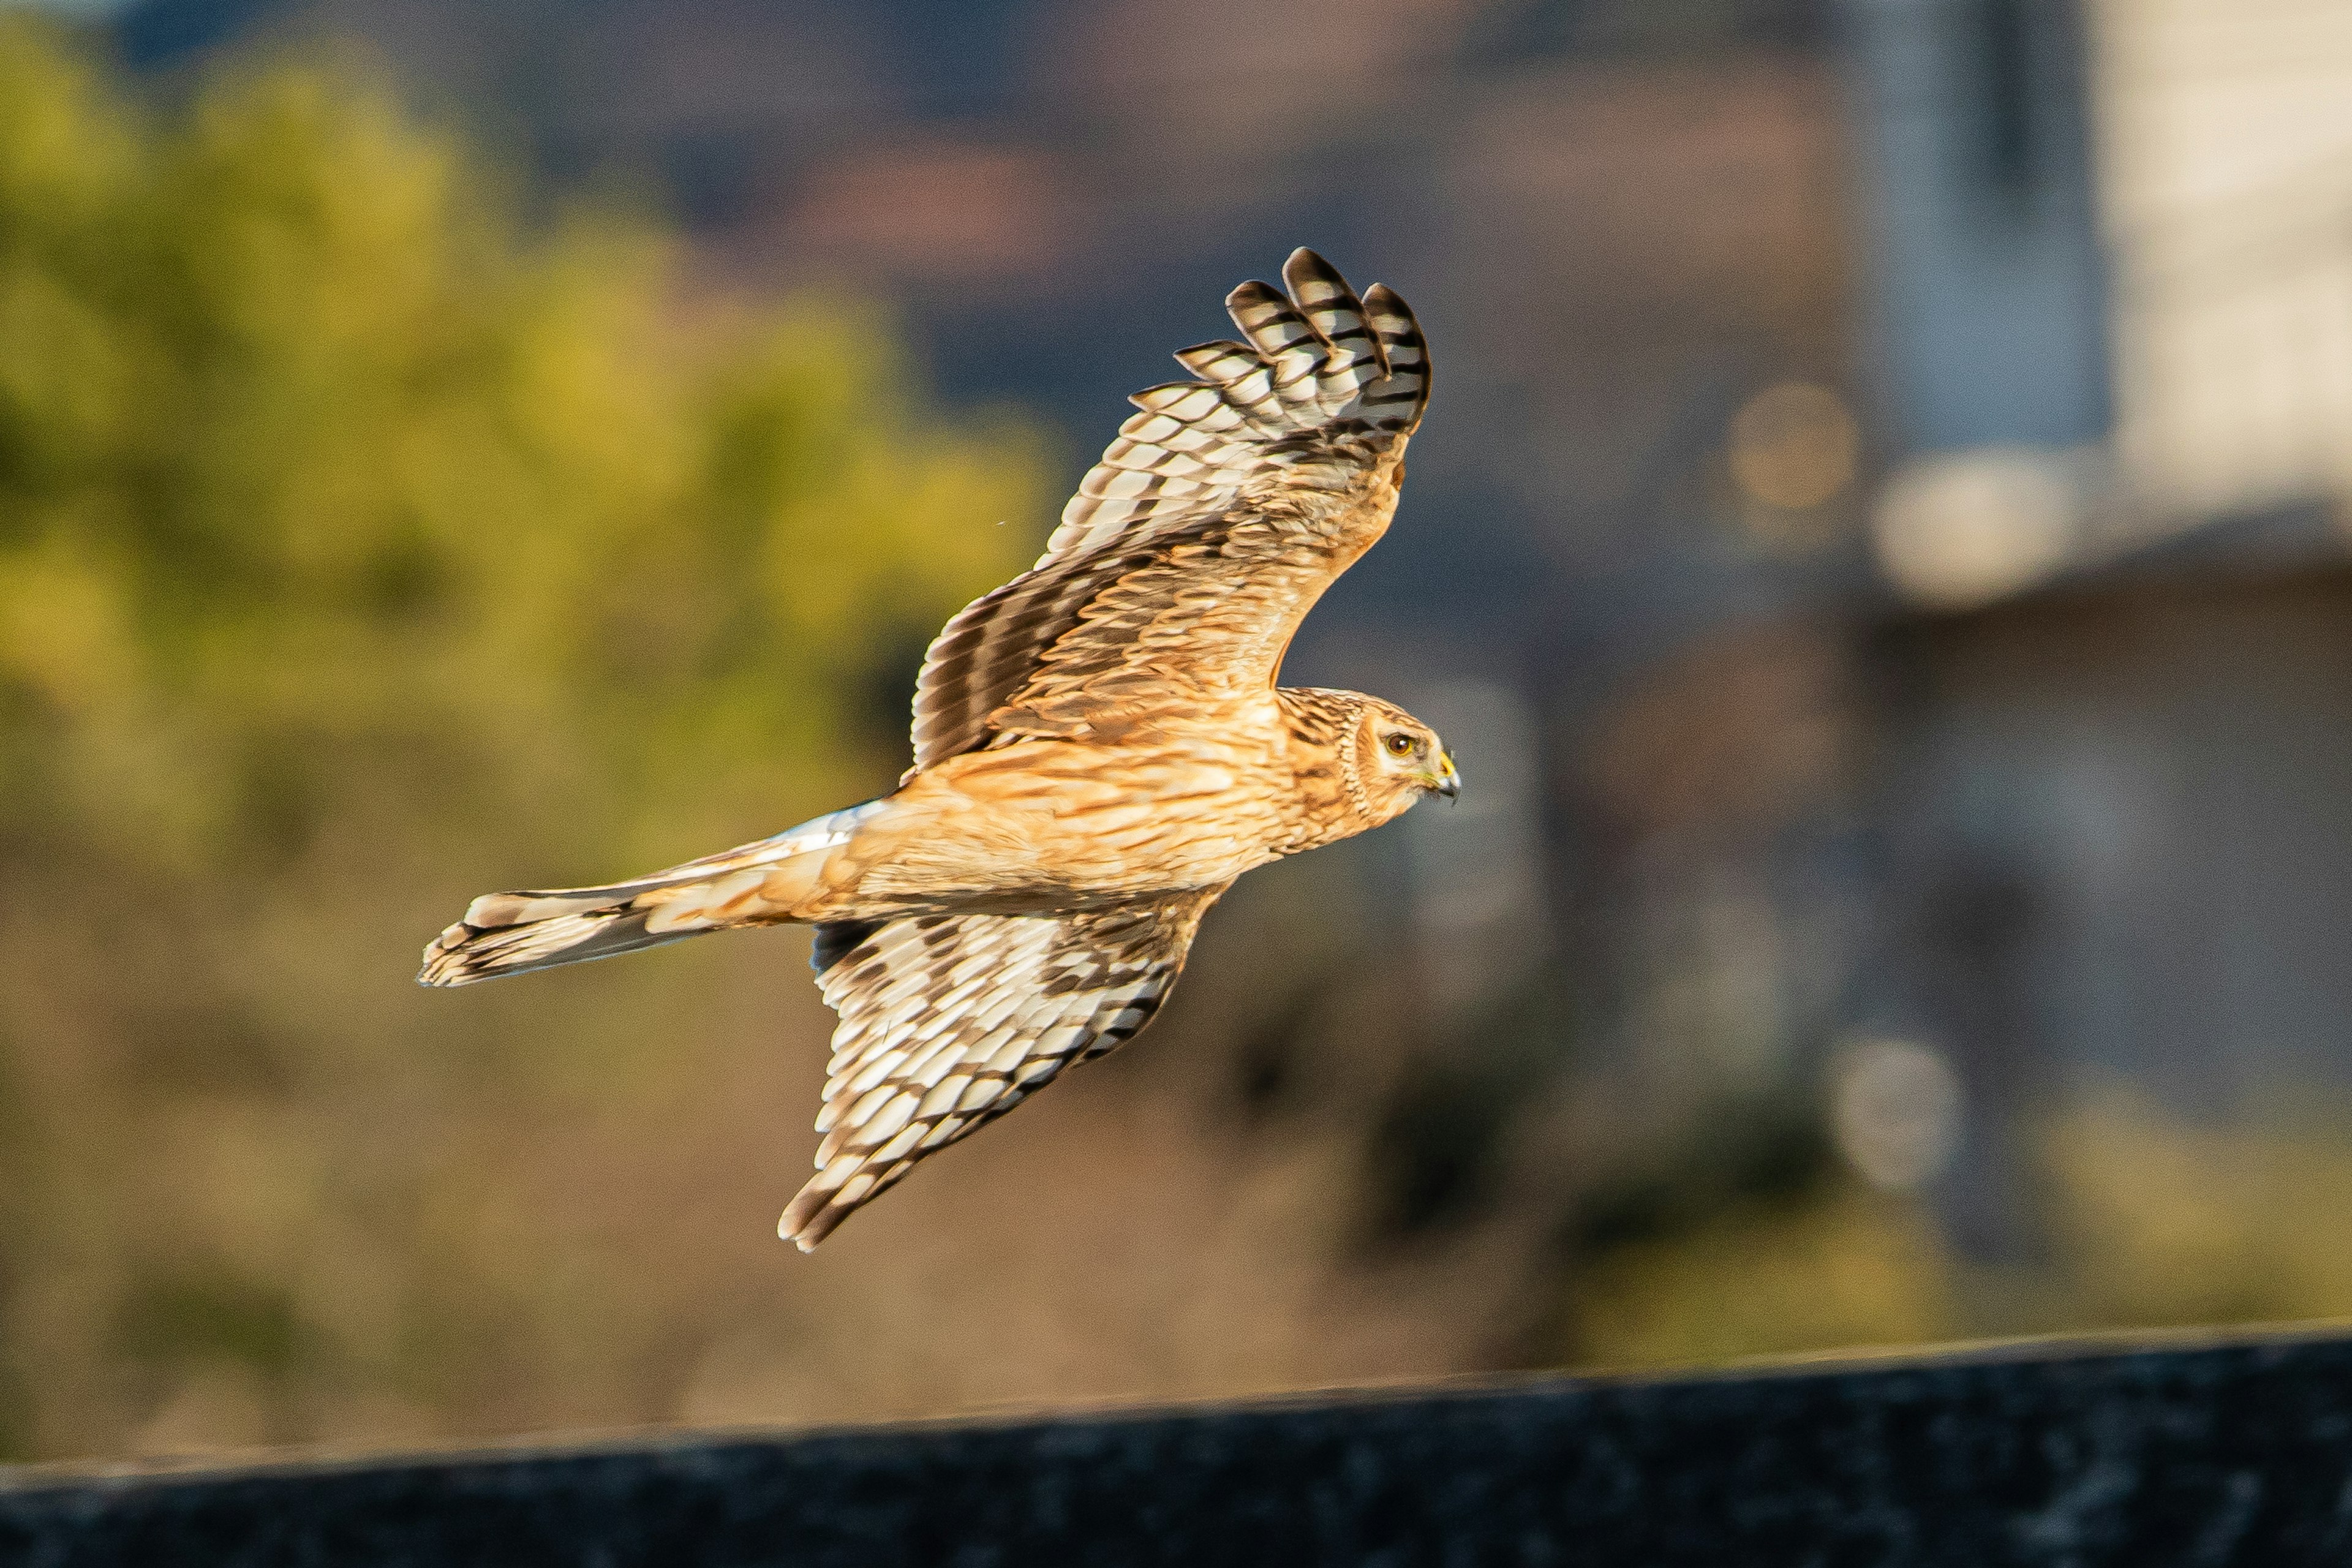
(1101, 749)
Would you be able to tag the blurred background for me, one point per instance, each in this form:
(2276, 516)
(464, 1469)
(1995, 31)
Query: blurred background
(1878, 548)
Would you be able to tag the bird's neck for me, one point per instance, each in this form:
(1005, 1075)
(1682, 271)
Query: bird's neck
(1326, 802)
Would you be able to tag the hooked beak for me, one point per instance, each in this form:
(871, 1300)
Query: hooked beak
(1449, 777)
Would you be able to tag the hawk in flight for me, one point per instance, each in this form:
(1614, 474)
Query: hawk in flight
(1101, 749)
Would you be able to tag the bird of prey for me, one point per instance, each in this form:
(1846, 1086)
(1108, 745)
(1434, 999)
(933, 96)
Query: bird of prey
(1101, 749)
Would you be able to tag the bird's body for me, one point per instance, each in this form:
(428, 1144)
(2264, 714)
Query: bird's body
(1101, 749)
(1044, 825)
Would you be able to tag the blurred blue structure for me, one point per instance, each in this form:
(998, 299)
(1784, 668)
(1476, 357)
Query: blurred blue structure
(1986, 287)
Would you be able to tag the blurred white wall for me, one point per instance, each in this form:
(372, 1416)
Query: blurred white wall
(2224, 150)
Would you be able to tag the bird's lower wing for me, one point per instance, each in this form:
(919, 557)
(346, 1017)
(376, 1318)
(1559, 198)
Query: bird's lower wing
(949, 1021)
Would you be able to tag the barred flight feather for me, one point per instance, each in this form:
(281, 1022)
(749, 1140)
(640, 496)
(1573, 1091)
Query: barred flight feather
(949, 1021)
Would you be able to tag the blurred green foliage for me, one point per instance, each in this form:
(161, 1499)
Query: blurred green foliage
(310, 459)
(362, 547)
(2151, 1224)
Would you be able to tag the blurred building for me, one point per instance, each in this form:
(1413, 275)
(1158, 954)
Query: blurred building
(2111, 773)
(2014, 754)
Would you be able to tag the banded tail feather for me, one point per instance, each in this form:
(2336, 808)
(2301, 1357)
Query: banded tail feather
(757, 884)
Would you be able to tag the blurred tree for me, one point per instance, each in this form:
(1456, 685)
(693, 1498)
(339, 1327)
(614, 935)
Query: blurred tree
(305, 448)
(2156, 1224)
(361, 549)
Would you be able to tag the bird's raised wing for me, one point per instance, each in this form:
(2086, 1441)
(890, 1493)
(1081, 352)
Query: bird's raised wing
(949, 1021)
(1198, 543)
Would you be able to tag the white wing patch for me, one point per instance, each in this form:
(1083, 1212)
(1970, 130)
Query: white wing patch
(949, 1021)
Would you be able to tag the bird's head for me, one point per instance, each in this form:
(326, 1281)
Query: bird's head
(1399, 759)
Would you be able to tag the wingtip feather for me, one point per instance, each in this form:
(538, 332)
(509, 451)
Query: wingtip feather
(811, 1216)
(1306, 270)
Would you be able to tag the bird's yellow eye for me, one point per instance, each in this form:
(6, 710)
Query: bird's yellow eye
(1400, 745)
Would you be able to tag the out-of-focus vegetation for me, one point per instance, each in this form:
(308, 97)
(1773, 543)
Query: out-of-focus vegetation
(361, 550)
(2151, 1224)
